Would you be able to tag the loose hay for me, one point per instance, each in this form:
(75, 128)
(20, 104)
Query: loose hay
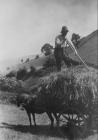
(75, 87)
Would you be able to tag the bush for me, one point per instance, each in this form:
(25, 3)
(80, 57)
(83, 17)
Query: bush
(9, 84)
(37, 56)
(21, 60)
(30, 73)
(11, 74)
(21, 73)
(32, 70)
(40, 73)
(27, 60)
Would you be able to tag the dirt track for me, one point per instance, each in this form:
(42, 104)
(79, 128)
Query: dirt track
(14, 125)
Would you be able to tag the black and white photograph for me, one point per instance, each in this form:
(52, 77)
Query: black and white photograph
(48, 70)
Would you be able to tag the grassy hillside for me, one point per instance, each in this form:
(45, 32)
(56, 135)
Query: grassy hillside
(37, 63)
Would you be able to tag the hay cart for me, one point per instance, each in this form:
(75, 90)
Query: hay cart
(76, 115)
(78, 109)
(74, 100)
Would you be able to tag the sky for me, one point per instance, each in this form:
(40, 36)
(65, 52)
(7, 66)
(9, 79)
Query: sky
(26, 25)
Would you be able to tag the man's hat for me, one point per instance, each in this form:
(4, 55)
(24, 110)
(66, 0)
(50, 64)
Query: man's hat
(64, 29)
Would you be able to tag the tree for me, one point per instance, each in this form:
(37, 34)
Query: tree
(8, 68)
(47, 49)
(21, 60)
(37, 56)
(32, 70)
(27, 60)
(11, 74)
(21, 73)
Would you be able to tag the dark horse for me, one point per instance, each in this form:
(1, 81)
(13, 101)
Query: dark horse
(32, 105)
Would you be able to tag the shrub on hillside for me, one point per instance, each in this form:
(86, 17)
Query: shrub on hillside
(30, 73)
(21, 60)
(24, 73)
(11, 74)
(32, 70)
(40, 72)
(27, 60)
(8, 97)
(21, 73)
(10, 84)
(37, 56)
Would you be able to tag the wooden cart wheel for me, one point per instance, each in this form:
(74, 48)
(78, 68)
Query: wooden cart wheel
(75, 122)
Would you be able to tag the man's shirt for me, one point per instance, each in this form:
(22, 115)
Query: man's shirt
(60, 41)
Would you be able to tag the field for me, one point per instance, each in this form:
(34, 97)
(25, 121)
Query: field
(14, 125)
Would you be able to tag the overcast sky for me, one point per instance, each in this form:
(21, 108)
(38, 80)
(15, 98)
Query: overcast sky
(25, 25)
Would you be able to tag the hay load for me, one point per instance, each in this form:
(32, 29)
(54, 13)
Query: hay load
(73, 89)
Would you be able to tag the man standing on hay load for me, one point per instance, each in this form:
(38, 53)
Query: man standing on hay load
(60, 51)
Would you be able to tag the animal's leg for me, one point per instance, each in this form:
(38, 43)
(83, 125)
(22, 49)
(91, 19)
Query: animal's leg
(33, 114)
(57, 119)
(51, 118)
(29, 116)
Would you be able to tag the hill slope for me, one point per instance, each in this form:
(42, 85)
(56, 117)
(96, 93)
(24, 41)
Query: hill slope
(37, 63)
